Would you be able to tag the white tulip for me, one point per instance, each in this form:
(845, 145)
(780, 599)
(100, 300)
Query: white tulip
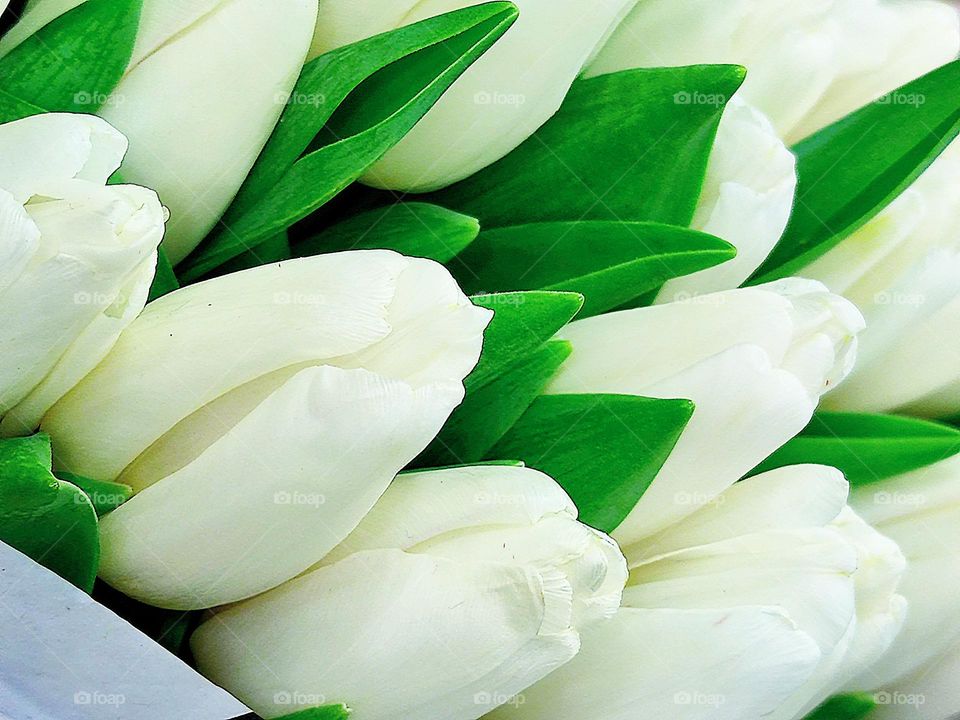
(200, 97)
(747, 199)
(259, 406)
(502, 99)
(760, 604)
(901, 269)
(461, 588)
(76, 257)
(808, 63)
(754, 361)
(921, 512)
(931, 693)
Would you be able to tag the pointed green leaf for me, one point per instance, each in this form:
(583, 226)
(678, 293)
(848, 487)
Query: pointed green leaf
(414, 229)
(379, 88)
(73, 63)
(521, 323)
(49, 520)
(856, 706)
(604, 450)
(609, 263)
(624, 146)
(327, 712)
(488, 413)
(867, 448)
(848, 172)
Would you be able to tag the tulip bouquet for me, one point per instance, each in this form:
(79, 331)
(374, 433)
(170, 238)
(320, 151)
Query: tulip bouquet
(451, 359)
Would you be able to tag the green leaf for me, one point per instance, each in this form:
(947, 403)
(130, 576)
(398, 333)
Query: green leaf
(365, 97)
(609, 263)
(620, 148)
(415, 229)
(165, 280)
(855, 706)
(273, 250)
(49, 520)
(105, 496)
(488, 413)
(848, 172)
(13, 108)
(604, 450)
(73, 63)
(327, 712)
(867, 448)
(521, 323)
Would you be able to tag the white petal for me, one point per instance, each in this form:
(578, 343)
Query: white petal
(19, 239)
(276, 493)
(390, 634)
(343, 22)
(807, 572)
(204, 341)
(744, 410)
(200, 107)
(44, 150)
(931, 693)
(493, 108)
(789, 498)
(746, 200)
(690, 664)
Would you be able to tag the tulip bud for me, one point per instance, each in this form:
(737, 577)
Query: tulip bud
(76, 258)
(461, 588)
(759, 604)
(808, 64)
(259, 406)
(201, 96)
(920, 510)
(502, 99)
(747, 198)
(754, 361)
(901, 270)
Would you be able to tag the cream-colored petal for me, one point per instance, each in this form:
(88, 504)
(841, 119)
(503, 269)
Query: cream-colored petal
(276, 493)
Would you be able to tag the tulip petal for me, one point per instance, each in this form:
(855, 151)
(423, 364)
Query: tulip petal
(931, 693)
(277, 492)
(47, 149)
(231, 70)
(467, 636)
(694, 664)
(19, 239)
(170, 362)
(789, 498)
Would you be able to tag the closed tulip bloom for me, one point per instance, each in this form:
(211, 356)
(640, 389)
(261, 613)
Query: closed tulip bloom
(759, 604)
(901, 270)
(502, 99)
(747, 198)
(754, 361)
(76, 258)
(266, 411)
(200, 97)
(461, 588)
(921, 512)
(808, 64)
